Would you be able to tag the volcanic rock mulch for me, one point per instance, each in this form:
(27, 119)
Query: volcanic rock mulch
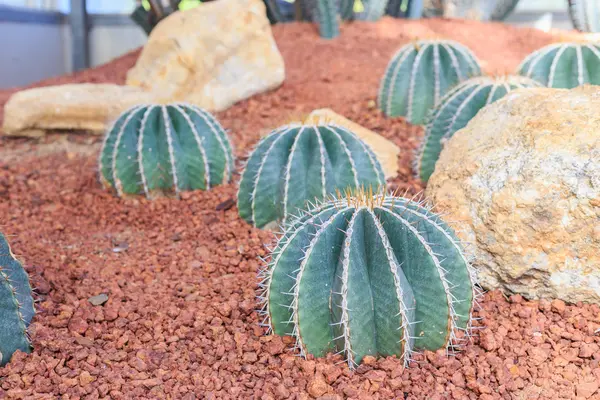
(180, 275)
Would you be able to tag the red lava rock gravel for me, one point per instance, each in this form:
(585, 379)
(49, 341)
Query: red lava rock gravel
(180, 275)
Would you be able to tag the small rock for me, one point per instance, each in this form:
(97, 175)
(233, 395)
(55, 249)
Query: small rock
(317, 386)
(98, 300)
(558, 306)
(85, 379)
(586, 389)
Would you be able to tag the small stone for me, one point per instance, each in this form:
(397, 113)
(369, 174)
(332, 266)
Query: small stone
(587, 350)
(317, 386)
(558, 306)
(586, 389)
(98, 300)
(85, 379)
(78, 325)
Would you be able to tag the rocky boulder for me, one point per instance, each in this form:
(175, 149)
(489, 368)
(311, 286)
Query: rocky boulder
(523, 180)
(213, 55)
(86, 107)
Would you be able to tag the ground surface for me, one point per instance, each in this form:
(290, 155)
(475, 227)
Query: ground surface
(179, 322)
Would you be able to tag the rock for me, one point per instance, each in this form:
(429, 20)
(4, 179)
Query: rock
(386, 151)
(523, 177)
(213, 55)
(98, 300)
(586, 389)
(317, 386)
(87, 107)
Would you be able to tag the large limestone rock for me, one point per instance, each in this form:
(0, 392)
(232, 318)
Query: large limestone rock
(212, 55)
(386, 151)
(87, 107)
(524, 178)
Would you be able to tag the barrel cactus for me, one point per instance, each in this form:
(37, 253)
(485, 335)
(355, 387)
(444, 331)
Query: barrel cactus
(16, 304)
(564, 65)
(161, 149)
(420, 73)
(299, 163)
(365, 274)
(585, 15)
(455, 110)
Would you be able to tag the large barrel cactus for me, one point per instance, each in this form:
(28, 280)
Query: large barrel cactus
(585, 15)
(366, 274)
(161, 149)
(564, 65)
(300, 163)
(420, 73)
(455, 110)
(16, 304)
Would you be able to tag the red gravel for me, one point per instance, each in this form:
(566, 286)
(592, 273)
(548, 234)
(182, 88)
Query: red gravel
(180, 275)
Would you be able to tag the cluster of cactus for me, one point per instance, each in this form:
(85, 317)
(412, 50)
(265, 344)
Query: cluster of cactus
(564, 65)
(455, 110)
(299, 163)
(164, 149)
(420, 73)
(328, 13)
(483, 10)
(16, 304)
(365, 274)
(585, 15)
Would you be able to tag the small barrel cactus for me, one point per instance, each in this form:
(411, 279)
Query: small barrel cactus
(564, 65)
(160, 149)
(420, 73)
(300, 163)
(16, 304)
(365, 274)
(585, 15)
(455, 110)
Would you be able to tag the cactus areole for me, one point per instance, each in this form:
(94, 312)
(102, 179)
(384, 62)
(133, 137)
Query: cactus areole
(16, 304)
(455, 110)
(365, 274)
(165, 149)
(297, 164)
(420, 73)
(564, 65)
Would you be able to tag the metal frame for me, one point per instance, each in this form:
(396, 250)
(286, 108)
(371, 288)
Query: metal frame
(78, 19)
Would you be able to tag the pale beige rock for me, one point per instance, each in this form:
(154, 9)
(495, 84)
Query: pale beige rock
(89, 107)
(213, 55)
(386, 151)
(524, 177)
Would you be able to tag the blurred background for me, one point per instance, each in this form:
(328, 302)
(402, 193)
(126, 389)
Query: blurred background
(45, 38)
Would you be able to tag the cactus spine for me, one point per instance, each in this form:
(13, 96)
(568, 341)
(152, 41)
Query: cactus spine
(420, 73)
(585, 15)
(455, 110)
(156, 149)
(564, 65)
(16, 304)
(299, 163)
(365, 274)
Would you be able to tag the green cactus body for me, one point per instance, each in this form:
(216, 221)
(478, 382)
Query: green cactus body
(420, 73)
(16, 304)
(159, 149)
(374, 9)
(300, 163)
(368, 275)
(564, 65)
(326, 14)
(455, 110)
(346, 9)
(585, 15)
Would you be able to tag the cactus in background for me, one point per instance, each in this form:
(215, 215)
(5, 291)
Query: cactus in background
(482, 10)
(299, 163)
(326, 14)
(16, 304)
(374, 9)
(585, 15)
(455, 110)
(156, 149)
(564, 65)
(365, 274)
(420, 73)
